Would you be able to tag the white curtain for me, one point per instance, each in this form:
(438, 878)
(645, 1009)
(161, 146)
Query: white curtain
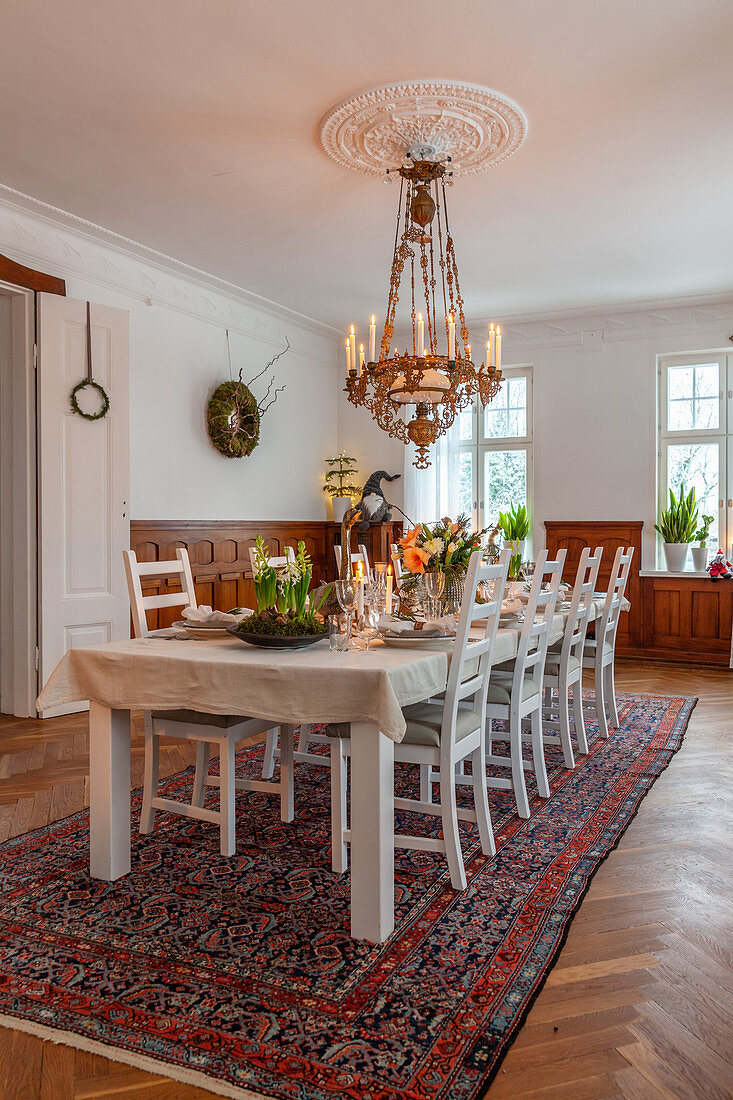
(433, 493)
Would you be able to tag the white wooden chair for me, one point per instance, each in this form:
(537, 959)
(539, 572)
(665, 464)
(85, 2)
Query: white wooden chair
(397, 566)
(515, 690)
(305, 737)
(599, 653)
(222, 730)
(361, 555)
(441, 735)
(564, 667)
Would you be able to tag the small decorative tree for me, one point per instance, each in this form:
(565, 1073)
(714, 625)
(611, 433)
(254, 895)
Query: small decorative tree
(342, 471)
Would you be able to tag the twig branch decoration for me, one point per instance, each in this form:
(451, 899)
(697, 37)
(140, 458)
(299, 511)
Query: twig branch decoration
(234, 413)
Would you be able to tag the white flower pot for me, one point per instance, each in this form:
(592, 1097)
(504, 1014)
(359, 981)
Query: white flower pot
(341, 506)
(675, 554)
(700, 556)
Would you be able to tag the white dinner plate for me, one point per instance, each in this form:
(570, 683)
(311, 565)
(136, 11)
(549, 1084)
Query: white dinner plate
(202, 630)
(412, 641)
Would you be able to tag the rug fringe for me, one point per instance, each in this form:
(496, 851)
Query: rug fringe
(129, 1058)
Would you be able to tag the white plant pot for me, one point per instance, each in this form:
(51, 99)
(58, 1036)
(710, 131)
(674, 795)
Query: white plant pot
(341, 506)
(700, 556)
(675, 554)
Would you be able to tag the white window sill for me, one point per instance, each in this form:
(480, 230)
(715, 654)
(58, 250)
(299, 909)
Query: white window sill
(668, 573)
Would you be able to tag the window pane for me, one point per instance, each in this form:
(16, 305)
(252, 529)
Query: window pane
(465, 483)
(505, 482)
(506, 416)
(697, 464)
(693, 397)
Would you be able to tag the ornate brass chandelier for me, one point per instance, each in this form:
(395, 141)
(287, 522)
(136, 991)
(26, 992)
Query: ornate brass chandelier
(438, 383)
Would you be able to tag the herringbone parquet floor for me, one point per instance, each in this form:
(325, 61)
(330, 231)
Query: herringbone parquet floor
(639, 1004)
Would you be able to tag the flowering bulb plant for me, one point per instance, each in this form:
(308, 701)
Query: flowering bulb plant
(282, 596)
(444, 547)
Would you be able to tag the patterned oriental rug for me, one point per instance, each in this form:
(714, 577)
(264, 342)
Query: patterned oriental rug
(239, 974)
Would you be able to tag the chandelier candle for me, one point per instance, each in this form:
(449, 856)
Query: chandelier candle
(372, 339)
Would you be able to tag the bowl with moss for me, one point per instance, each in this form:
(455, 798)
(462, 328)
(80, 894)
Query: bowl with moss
(273, 629)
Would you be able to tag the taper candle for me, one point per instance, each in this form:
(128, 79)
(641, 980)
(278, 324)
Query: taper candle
(451, 337)
(420, 336)
(373, 340)
(498, 347)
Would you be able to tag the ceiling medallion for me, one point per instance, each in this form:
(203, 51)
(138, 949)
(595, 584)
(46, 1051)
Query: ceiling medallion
(478, 127)
(421, 133)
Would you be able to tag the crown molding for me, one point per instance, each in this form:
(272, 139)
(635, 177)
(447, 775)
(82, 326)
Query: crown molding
(44, 235)
(630, 320)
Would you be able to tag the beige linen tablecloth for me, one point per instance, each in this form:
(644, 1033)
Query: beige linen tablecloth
(224, 676)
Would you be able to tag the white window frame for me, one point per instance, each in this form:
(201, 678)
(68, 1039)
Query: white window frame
(480, 444)
(722, 436)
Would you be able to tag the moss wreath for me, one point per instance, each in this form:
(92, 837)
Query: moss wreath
(233, 419)
(102, 393)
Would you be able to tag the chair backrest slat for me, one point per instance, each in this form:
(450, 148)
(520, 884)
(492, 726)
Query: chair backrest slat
(535, 635)
(581, 605)
(465, 684)
(140, 604)
(608, 622)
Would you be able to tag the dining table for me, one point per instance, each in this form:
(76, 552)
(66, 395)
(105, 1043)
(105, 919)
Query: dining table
(366, 688)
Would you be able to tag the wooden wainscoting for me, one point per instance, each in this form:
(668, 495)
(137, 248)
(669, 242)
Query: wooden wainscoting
(219, 553)
(687, 619)
(574, 535)
(676, 619)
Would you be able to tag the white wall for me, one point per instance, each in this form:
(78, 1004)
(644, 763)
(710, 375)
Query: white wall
(178, 356)
(595, 406)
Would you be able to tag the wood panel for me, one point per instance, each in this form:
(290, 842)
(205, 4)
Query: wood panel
(575, 535)
(219, 553)
(15, 273)
(686, 619)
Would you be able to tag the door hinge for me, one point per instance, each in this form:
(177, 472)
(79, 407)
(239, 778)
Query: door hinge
(37, 659)
(35, 357)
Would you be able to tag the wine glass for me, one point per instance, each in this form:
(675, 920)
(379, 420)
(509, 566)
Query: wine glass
(372, 606)
(434, 585)
(346, 596)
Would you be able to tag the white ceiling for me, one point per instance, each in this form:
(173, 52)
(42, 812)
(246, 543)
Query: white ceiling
(191, 126)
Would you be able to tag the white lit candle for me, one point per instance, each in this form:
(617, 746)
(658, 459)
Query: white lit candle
(348, 359)
(420, 336)
(359, 597)
(491, 345)
(451, 337)
(488, 353)
(388, 601)
(373, 340)
(498, 347)
(352, 348)
(361, 358)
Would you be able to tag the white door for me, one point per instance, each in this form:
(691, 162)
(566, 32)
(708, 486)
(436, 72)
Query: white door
(83, 480)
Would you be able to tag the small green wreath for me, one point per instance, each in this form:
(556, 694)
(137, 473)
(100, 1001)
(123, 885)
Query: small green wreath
(233, 419)
(100, 390)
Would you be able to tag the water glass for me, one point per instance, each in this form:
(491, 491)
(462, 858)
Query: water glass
(338, 632)
(434, 585)
(346, 596)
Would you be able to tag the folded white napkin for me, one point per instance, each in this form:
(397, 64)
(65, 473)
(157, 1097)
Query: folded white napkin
(438, 629)
(205, 614)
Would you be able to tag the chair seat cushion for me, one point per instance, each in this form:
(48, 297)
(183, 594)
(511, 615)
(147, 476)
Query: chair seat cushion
(590, 646)
(424, 721)
(500, 688)
(195, 718)
(553, 663)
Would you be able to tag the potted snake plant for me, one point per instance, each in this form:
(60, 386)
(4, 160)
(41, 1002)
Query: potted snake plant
(677, 526)
(700, 553)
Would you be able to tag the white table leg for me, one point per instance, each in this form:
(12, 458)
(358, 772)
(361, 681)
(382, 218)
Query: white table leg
(109, 792)
(372, 833)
